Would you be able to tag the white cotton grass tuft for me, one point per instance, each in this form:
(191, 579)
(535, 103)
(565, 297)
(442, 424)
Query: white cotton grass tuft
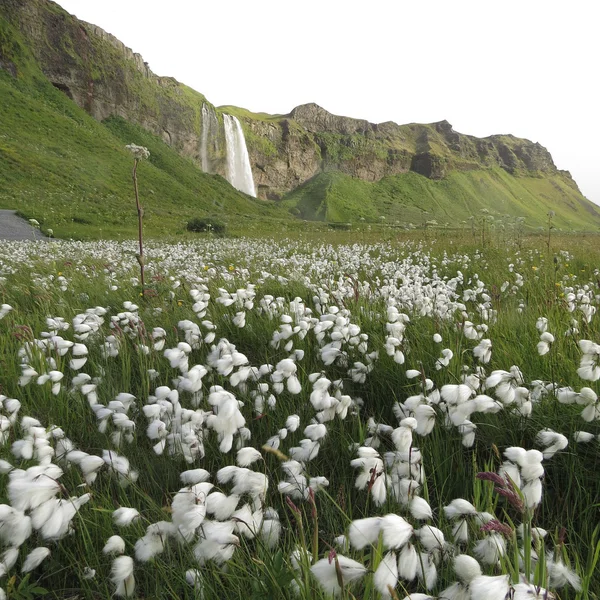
(114, 545)
(490, 549)
(420, 509)
(124, 516)
(546, 341)
(583, 437)
(122, 577)
(466, 568)
(485, 587)
(8, 560)
(34, 559)
(193, 577)
(292, 423)
(427, 570)
(528, 591)
(431, 537)
(386, 575)
(246, 456)
(325, 572)
(560, 575)
(396, 531)
(29, 489)
(459, 507)
(151, 544)
(193, 476)
(364, 532)
(551, 441)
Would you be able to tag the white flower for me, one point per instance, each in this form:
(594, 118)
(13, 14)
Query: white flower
(194, 476)
(483, 351)
(271, 529)
(490, 549)
(9, 558)
(246, 456)
(589, 368)
(292, 423)
(561, 575)
(583, 436)
(426, 570)
(35, 558)
(386, 575)
(115, 544)
(216, 542)
(458, 508)
(552, 442)
(364, 532)
(122, 576)
(546, 339)
(27, 490)
(396, 531)
(407, 562)
(527, 591)
(194, 578)
(139, 152)
(489, 588)
(432, 538)
(123, 517)
(153, 543)
(326, 574)
(466, 568)
(420, 509)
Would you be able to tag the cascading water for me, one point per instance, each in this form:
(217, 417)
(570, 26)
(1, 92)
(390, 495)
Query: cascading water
(209, 141)
(239, 172)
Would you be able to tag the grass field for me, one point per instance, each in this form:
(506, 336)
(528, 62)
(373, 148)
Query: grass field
(295, 418)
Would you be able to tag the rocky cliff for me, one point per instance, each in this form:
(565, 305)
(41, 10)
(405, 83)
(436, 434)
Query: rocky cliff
(311, 140)
(106, 78)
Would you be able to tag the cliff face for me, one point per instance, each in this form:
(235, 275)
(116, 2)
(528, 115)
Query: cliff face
(311, 140)
(106, 78)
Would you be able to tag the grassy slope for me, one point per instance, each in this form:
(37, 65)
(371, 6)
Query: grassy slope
(412, 198)
(73, 174)
(59, 165)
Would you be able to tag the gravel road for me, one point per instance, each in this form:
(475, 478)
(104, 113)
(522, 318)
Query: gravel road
(15, 228)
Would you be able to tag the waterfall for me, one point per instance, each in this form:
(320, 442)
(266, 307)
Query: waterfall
(239, 172)
(209, 139)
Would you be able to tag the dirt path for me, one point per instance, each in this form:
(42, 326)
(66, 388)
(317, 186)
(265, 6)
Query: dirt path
(15, 228)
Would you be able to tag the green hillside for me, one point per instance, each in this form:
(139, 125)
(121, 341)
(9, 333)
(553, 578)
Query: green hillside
(73, 174)
(412, 198)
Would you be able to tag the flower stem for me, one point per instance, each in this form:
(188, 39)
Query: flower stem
(140, 212)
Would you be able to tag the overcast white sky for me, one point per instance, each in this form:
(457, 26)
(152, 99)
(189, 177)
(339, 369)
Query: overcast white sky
(526, 67)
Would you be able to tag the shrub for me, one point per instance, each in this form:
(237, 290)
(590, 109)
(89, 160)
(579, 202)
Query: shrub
(340, 226)
(206, 224)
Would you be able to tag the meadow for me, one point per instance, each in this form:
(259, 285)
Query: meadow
(299, 418)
